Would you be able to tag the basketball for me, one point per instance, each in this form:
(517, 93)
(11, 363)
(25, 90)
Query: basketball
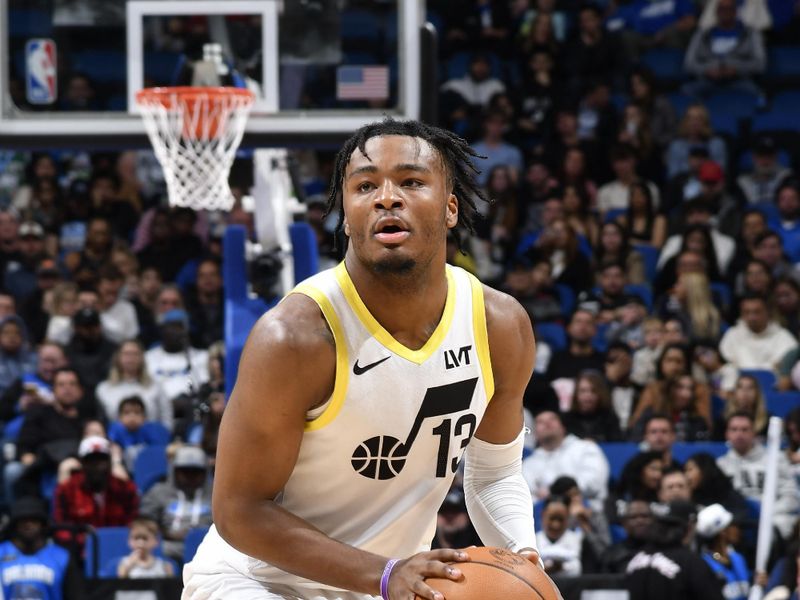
(497, 574)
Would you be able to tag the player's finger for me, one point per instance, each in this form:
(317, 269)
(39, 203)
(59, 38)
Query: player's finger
(448, 555)
(435, 568)
(531, 555)
(423, 590)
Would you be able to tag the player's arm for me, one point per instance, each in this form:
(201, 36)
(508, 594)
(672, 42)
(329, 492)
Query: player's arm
(498, 499)
(288, 367)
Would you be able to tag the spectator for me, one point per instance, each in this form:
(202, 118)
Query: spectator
(592, 524)
(536, 99)
(142, 563)
(49, 433)
(640, 479)
(644, 93)
(752, 13)
(634, 130)
(20, 274)
(470, 94)
(753, 223)
(132, 431)
(694, 130)
(792, 425)
(178, 368)
(645, 358)
(496, 150)
(592, 52)
(532, 286)
(597, 116)
(717, 533)
(145, 300)
(94, 496)
(575, 170)
(63, 306)
(756, 342)
(652, 23)
(591, 416)
(16, 358)
(559, 453)
(760, 184)
(79, 94)
(579, 354)
(615, 195)
(679, 401)
(755, 279)
(709, 485)
(787, 199)
(204, 305)
(691, 303)
(641, 222)
(96, 252)
(619, 362)
(745, 463)
(788, 587)
(699, 235)
(674, 485)
(559, 243)
(615, 246)
(627, 326)
(659, 436)
(747, 397)
(453, 527)
(768, 248)
(636, 520)
(723, 206)
(665, 567)
(183, 502)
(33, 566)
(725, 57)
(34, 309)
(721, 376)
(559, 547)
(548, 8)
(106, 202)
(71, 464)
(577, 212)
(90, 353)
(129, 376)
(609, 295)
(31, 389)
(117, 315)
(786, 295)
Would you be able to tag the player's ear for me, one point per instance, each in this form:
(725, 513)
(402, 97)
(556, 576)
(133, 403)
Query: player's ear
(452, 211)
(346, 226)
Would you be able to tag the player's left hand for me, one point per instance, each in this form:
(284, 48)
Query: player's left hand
(533, 556)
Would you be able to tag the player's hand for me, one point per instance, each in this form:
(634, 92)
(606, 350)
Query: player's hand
(532, 555)
(407, 578)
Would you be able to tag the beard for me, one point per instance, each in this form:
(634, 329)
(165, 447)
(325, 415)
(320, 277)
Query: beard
(394, 265)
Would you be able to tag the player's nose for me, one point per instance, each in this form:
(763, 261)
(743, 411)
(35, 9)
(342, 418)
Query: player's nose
(388, 196)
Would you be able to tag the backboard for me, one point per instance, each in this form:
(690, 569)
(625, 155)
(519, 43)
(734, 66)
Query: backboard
(69, 69)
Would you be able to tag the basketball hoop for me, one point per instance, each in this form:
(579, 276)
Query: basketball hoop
(195, 132)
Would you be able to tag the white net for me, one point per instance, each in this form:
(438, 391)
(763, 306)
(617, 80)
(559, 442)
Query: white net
(195, 133)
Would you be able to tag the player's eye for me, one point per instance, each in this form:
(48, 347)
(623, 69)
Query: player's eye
(365, 186)
(412, 183)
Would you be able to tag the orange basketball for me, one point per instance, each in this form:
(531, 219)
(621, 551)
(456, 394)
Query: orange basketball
(497, 574)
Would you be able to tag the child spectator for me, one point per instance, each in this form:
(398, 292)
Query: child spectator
(141, 563)
(559, 547)
(63, 305)
(132, 431)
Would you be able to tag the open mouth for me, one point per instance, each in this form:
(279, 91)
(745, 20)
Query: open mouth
(391, 231)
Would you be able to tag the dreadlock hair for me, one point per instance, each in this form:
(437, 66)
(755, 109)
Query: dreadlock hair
(455, 153)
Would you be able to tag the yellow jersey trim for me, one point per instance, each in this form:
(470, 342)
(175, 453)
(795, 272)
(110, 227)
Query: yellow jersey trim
(342, 361)
(481, 333)
(384, 337)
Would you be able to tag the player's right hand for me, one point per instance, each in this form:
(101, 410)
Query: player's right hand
(407, 578)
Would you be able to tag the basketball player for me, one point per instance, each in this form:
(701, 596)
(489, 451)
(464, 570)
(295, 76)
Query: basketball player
(359, 393)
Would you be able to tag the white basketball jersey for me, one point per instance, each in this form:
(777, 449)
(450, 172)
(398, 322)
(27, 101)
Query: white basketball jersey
(377, 459)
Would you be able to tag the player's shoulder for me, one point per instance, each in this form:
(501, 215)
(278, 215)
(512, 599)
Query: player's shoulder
(294, 325)
(504, 314)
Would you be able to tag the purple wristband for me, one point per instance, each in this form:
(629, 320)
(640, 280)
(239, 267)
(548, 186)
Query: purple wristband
(387, 572)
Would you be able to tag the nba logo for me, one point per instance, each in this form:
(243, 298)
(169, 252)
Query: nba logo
(40, 76)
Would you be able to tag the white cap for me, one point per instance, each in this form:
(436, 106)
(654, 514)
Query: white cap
(713, 519)
(94, 444)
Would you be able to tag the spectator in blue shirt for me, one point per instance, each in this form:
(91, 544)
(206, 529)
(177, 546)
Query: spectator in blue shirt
(132, 432)
(650, 23)
(496, 150)
(725, 57)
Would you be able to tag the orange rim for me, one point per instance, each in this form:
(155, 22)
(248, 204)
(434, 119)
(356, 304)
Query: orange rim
(164, 95)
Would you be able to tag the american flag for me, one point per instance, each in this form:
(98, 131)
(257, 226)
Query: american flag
(362, 83)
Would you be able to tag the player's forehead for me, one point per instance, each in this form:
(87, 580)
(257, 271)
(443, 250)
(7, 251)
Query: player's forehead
(391, 151)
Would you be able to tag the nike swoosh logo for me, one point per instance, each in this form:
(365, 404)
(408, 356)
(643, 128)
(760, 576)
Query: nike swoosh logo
(361, 370)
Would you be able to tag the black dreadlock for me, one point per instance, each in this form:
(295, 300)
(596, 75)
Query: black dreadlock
(455, 153)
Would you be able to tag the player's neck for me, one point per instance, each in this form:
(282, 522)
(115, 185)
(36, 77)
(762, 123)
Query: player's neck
(409, 305)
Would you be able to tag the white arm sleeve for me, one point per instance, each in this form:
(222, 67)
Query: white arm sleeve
(498, 499)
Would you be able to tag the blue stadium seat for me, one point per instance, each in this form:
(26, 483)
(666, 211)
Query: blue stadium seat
(769, 210)
(538, 508)
(783, 62)
(766, 379)
(112, 542)
(717, 405)
(780, 403)
(361, 26)
(725, 124)
(680, 102)
(775, 121)
(723, 292)
(192, 541)
(150, 466)
(163, 68)
(666, 63)
(614, 214)
(650, 256)
(567, 298)
(785, 101)
(681, 451)
(618, 454)
(735, 104)
(553, 334)
(618, 533)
